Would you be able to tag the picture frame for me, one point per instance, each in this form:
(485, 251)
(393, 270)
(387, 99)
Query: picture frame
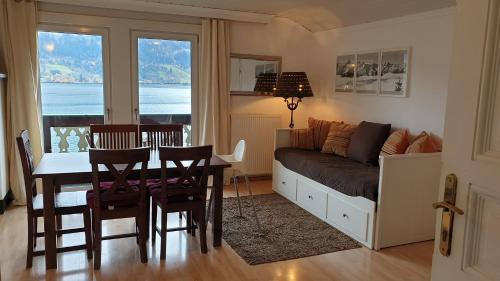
(367, 69)
(394, 71)
(246, 68)
(345, 73)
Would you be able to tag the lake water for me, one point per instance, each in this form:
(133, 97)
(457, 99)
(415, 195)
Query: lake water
(88, 99)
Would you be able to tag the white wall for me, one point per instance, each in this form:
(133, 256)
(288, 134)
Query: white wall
(429, 35)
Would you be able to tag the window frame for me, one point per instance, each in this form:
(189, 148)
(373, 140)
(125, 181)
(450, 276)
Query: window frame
(86, 30)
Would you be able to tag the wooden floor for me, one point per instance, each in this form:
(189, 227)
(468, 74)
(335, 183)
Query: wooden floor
(120, 260)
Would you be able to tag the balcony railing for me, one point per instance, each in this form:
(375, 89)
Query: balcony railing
(66, 133)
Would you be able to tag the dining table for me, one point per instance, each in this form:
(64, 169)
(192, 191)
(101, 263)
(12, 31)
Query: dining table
(56, 169)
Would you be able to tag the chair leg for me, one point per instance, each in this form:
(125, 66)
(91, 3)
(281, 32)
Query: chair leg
(35, 230)
(148, 204)
(58, 217)
(189, 221)
(88, 232)
(193, 223)
(163, 235)
(143, 228)
(97, 242)
(31, 237)
(209, 209)
(253, 202)
(154, 212)
(235, 183)
(202, 227)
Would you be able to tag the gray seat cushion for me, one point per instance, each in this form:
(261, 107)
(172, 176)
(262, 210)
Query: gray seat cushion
(342, 174)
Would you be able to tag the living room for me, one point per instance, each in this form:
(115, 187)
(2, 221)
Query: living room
(320, 140)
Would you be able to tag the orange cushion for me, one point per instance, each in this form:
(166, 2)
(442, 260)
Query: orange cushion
(302, 138)
(423, 143)
(397, 143)
(321, 129)
(338, 139)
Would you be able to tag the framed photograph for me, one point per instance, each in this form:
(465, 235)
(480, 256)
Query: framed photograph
(394, 73)
(367, 70)
(249, 70)
(344, 76)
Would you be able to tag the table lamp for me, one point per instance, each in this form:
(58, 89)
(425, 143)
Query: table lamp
(293, 86)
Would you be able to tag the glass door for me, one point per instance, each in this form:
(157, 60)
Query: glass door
(73, 86)
(164, 82)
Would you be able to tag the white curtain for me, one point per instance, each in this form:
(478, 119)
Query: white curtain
(213, 95)
(18, 38)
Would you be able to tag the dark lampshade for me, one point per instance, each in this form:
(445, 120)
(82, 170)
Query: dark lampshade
(266, 83)
(293, 84)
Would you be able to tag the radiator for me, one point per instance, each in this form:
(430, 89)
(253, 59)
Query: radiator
(258, 132)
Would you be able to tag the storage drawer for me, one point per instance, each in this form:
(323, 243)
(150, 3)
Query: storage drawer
(311, 198)
(348, 217)
(285, 182)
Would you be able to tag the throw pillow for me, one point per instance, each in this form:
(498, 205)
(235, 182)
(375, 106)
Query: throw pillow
(423, 143)
(302, 138)
(321, 129)
(367, 141)
(397, 143)
(338, 139)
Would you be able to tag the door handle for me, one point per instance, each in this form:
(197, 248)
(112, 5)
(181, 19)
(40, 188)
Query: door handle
(449, 210)
(445, 205)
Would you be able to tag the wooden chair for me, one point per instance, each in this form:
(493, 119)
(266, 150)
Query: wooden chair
(66, 203)
(182, 190)
(114, 136)
(158, 135)
(121, 198)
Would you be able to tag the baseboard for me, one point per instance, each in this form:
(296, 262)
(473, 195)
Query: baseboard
(5, 202)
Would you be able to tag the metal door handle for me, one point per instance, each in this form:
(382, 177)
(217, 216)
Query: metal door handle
(446, 205)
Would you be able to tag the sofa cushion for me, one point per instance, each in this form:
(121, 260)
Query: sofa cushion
(367, 141)
(342, 174)
(397, 143)
(423, 143)
(302, 138)
(338, 139)
(321, 128)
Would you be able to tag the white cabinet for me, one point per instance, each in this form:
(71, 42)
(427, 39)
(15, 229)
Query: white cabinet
(311, 198)
(284, 181)
(348, 217)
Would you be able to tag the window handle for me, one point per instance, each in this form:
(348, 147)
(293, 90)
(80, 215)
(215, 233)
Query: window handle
(108, 113)
(136, 112)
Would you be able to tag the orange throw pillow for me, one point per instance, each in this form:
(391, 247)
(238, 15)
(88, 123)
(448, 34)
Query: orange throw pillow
(302, 138)
(338, 139)
(321, 129)
(423, 143)
(397, 143)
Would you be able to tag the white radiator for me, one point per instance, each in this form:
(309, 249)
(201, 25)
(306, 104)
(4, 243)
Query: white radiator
(258, 131)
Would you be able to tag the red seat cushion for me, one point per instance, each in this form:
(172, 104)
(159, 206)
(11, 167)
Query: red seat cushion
(156, 196)
(107, 185)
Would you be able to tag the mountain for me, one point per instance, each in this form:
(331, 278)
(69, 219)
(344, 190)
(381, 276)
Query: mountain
(77, 58)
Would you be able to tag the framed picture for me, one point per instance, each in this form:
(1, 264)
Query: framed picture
(344, 76)
(367, 70)
(394, 72)
(249, 70)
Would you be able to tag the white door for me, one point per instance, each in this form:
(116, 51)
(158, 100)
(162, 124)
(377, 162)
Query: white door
(472, 145)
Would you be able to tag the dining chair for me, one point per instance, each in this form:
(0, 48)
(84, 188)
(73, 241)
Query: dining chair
(66, 203)
(184, 190)
(123, 197)
(113, 136)
(238, 168)
(157, 135)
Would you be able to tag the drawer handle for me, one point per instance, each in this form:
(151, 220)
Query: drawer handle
(345, 216)
(283, 182)
(310, 197)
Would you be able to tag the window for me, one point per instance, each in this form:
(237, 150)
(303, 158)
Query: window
(72, 87)
(164, 76)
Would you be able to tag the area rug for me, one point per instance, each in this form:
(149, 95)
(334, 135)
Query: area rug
(287, 231)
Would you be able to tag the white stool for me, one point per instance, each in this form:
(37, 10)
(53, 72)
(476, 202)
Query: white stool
(238, 168)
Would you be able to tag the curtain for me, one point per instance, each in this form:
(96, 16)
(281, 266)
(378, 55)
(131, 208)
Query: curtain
(213, 95)
(18, 36)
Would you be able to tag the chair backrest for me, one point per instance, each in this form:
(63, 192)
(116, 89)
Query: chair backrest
(120, 163)
(114, 136)
(158, 135)
(27, 162)
(191, 176)
(239, 150)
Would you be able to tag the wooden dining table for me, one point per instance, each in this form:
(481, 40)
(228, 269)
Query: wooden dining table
(56, 169)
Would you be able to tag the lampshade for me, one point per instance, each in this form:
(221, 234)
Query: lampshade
(293, 84)
(266, 82)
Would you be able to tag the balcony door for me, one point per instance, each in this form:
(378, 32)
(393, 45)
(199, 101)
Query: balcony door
(164, 70)
(73, 83)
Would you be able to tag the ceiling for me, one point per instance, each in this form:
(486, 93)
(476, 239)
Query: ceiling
(318, 15)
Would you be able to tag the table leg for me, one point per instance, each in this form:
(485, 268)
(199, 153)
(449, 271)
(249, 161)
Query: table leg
(49, 223)
(218, 186)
